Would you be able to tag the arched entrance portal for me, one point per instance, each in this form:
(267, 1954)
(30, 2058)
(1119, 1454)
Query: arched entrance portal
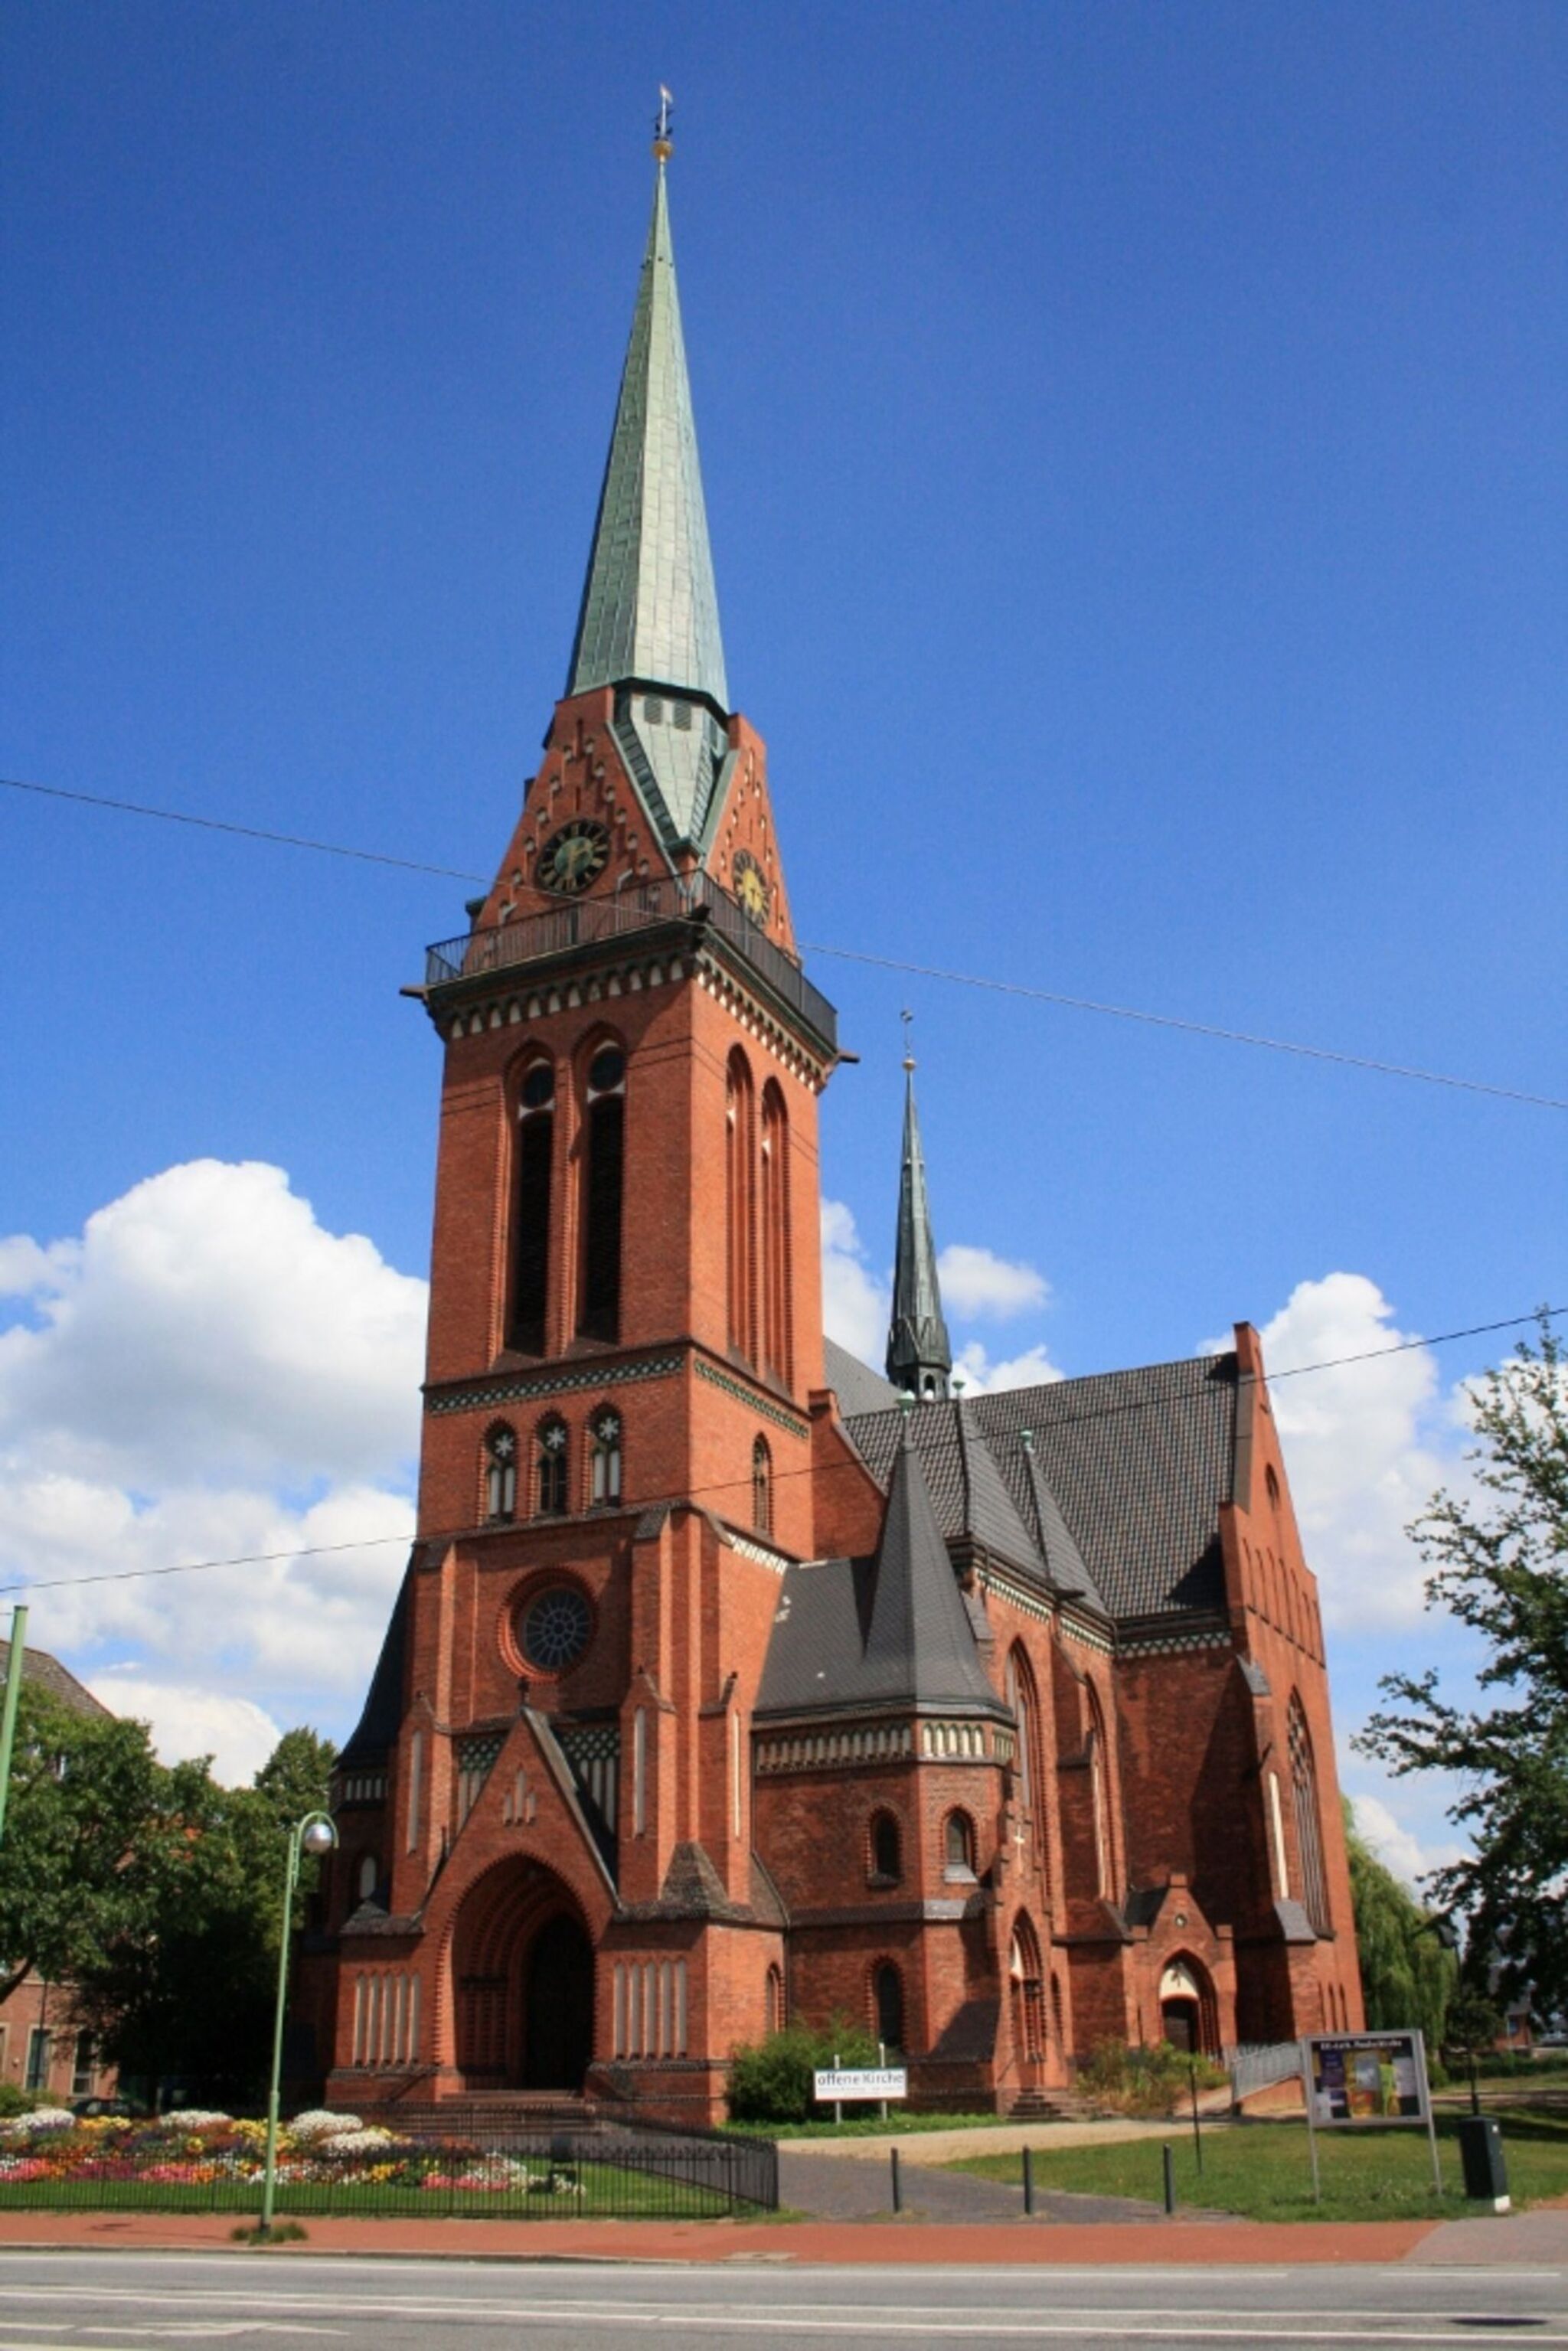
(522, 1983)
(558, 2006)
(1188, 2017)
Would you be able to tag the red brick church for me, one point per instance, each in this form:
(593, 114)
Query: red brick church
(729, 1681)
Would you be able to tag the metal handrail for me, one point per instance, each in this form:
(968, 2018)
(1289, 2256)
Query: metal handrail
(585, 922)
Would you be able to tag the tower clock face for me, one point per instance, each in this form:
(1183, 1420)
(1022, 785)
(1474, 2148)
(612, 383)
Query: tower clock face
(572, 858)
(750, 886)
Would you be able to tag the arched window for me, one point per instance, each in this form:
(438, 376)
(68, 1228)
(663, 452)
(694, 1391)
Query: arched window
(531, 1208)
(773, 2000)
(762, 1487)
(1025, 1706)
(603, 1183)
(370, 1876)
(958, 1845)
(553, 1452)
(1309, 1819)
(886, 1849)
(887, 2004)
(1099, 1792)
(1272, 1486)
(740, 1205)
(775, 1221)
(604, 1461)
(501, 1472)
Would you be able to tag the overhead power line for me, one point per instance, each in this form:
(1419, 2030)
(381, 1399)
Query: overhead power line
(852, 955)
(731, 1485)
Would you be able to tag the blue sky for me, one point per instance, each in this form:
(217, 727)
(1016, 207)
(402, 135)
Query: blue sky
(1134, 453)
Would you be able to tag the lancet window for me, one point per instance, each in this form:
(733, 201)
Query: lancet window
(552, 1466)
(1309, 1818)
(603, 1185)
(604, 1457)
(740, 1205)
(501, 1472)
(531, 1208)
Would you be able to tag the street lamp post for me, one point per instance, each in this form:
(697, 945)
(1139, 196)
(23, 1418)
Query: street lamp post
(316, 1833)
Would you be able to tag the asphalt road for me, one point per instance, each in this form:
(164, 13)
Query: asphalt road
(131, 2302)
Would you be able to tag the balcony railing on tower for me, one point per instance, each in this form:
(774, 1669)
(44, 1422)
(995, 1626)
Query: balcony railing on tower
(695, 901)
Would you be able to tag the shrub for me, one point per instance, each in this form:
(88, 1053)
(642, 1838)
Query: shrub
(14, 2100)
(1153, 2080)
(770, 2080)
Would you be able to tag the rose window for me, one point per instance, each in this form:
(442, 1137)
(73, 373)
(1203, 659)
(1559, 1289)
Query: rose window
(555, 1629)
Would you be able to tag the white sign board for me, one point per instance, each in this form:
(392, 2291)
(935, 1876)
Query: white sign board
(861, 2082)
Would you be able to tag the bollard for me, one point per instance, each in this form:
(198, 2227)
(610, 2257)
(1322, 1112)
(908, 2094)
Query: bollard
(1170, 2178)
(897, 2192)
(1028, 2180)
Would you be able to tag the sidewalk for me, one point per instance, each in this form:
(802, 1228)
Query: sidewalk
(1535, 2240)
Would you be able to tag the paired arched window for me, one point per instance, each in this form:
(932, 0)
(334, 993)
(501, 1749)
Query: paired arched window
(756, 1222)
(1308, 1817)
(958, 1845)
(501, 1472)
(1099, 1792)
(604, 1457)
(886, 1849)
(1025, 1705)
(762, 1487)
(774, 1220)
(531, 1208)
(552, 1452)
(604, 1184)
(740, 1205)
(887, 2004)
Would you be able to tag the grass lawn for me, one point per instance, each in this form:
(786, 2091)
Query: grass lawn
(1262, 2170)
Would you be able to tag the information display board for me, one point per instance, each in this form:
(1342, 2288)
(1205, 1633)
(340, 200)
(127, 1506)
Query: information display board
(861, 2082)
(1366, 2077)
(1367, 2080)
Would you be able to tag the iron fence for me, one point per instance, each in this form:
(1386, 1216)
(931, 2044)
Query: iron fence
(694, 899)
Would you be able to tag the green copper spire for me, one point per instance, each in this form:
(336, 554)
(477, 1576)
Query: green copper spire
(919, 1357)
(650, 613)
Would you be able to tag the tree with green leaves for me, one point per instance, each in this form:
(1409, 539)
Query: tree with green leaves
(1408, 1973)
(1500, 1563)
(150, 1894)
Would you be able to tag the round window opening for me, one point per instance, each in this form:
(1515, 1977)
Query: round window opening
(556, 1628)
(606, 1070)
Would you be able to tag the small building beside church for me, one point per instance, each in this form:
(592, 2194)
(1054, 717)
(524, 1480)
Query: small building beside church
(732, 1681)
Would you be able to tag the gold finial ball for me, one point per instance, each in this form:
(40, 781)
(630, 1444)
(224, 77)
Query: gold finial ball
(909, 1061)
(664, 149)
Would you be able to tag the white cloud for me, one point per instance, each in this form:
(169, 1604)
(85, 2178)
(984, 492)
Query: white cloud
(1366, 1444)
(978, 1285)
(1412, 1857)
(235, 1733)
(980, 1376)
(208, 1374)
(205, 1325)
(855, 1303)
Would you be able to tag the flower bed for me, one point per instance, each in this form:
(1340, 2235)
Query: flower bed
(200, 2160)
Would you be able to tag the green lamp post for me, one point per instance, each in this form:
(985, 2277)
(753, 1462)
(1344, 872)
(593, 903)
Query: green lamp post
(316, 1833)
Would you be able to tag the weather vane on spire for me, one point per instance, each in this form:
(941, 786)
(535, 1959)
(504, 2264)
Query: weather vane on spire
(908, 1021)
(663, 145)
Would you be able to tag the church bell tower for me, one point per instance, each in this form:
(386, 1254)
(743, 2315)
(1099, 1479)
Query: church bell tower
(546, 1879)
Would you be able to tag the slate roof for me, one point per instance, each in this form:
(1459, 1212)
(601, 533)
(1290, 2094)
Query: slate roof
(1137, 1462)
(46, 1673)
(852, 1635)
(375, 1734)
(859, 1389)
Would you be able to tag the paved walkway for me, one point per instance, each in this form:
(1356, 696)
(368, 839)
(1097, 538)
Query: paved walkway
(828, 2188)
(1534, 2240)
(998, 2138)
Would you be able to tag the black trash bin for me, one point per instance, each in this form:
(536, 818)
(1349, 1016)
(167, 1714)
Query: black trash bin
(1480, 2153)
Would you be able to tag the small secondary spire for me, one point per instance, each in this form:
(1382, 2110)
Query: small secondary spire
(919, 1353)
